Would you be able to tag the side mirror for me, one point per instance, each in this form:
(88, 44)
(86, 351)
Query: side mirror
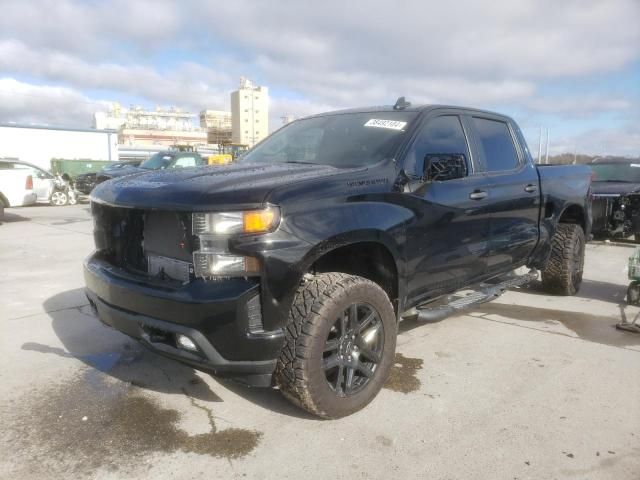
(446, 166)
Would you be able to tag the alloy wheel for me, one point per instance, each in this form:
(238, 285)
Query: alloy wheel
(353, 349)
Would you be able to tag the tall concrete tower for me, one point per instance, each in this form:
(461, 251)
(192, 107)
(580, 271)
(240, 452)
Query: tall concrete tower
(249, 113)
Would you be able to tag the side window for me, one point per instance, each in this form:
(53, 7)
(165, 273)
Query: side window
(440, 135)
(39, 173)
(184, 162)
(497, 144)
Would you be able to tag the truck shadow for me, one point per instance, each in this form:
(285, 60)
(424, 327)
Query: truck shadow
(590, 289)
(10, 217)
(109, 352)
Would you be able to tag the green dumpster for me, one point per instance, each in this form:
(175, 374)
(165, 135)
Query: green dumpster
(75, 167)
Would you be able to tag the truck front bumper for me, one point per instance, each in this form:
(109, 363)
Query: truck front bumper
(219, 317)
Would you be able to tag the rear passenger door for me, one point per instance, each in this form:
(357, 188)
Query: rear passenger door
(513, 191)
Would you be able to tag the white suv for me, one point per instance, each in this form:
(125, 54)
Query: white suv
(16, 185)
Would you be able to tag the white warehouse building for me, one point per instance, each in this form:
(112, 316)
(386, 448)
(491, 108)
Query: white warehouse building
(38, 145)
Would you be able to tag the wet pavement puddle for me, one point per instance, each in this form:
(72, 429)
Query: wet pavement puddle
(95, 421)
(403, 375)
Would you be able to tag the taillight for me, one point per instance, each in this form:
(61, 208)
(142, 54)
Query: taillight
(29, 183)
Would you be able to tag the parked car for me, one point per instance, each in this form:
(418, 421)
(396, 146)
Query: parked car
(616, 198)
(52, 189)
(85, 182)
(292, 266)
(16, 186)
(158, 161)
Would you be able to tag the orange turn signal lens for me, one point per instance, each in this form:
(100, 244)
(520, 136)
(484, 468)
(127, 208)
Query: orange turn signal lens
(258, 221)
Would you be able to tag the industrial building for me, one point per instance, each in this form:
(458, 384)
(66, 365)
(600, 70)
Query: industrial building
(249, 113)
(137, 126)
(218, 125)
(39, 144)
(148, 136)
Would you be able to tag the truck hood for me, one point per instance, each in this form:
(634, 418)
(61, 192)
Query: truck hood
(614, 188)
(121, 172)
(206, 188)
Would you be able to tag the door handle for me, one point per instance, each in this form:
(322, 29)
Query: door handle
(531, 188)
(478, 195)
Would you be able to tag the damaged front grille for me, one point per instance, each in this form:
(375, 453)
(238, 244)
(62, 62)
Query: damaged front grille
(145, 242)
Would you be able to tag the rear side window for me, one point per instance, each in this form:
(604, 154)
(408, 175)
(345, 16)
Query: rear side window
(497, 144)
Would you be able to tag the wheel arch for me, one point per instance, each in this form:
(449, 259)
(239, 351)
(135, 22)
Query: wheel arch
(369, 258)
(574, 213)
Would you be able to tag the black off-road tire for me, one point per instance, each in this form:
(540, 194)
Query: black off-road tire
(317, 304)
(563, 272)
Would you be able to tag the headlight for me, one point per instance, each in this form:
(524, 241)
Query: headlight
(250, 221)
(213, 231)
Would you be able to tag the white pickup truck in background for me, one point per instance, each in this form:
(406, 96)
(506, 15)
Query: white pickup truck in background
(16, 187)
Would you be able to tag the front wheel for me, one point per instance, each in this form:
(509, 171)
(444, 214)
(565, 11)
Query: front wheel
(59, 198)
(563, 272)
(340, 343)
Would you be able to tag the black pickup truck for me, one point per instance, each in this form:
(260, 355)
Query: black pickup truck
(292, 267)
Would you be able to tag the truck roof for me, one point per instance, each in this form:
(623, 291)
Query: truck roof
(416, 108)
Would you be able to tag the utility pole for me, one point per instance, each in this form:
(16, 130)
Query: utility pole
(546, 155)
(540, 146)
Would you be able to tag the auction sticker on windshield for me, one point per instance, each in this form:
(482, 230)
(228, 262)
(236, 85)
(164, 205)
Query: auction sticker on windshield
(390, 124)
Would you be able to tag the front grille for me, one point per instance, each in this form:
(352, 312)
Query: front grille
(128, 238)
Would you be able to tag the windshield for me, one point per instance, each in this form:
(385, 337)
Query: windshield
(161, 160)
(341, 140)
(616, 172)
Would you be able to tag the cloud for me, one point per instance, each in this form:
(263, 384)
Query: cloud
(576, 106)
(91, 29)
(333, 54)
(45, 105)
(533, 39)
(189, 84)
(601, 141)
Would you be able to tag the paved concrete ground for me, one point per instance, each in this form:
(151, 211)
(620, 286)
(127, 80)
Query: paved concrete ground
(527, 387)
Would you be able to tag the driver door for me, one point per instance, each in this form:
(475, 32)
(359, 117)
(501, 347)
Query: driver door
(447, 244)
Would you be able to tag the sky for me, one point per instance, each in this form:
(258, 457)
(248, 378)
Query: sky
(571, 66)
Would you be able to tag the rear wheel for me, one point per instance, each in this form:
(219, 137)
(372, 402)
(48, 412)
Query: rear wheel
(340, 345)
(563, 273)
(59, 198)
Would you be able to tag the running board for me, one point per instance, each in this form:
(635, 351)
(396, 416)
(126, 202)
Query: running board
(482, 293)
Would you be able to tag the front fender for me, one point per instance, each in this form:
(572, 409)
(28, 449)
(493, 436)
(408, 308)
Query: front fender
(305, 235)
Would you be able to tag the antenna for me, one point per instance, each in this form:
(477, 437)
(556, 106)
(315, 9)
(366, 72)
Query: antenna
(401, 104)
